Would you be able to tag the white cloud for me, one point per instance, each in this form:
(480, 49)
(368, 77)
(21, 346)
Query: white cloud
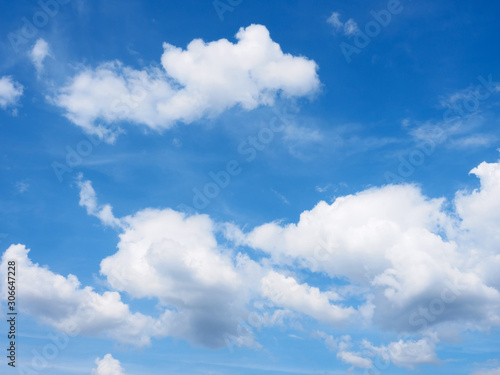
(374, 216)
(351, 27)
(469, 100)
(401, 353)
(39, 52)
(407, 353)
(342, 346)
(477, 140)
(322, 189)
(286, 292)
(203, 80)
(203, 289)
(335, 21)
(108, 366)
(300, 134)
(10, 92)
(62, 303)
(479, 209)
(480, 214)
(330, 342)
(411, 254)
(460, 132)
(89, 201)
(354, 359)
(464, 113)
(412, 264)
(166, 255)
(22, 186)
(491, 371)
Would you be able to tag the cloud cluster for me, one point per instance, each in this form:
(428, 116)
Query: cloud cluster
(412, 255)
(408, 264)
(203, 80)
(343, 347)
(402, 353)
(10, 92)
(349, 28)
(409, 354)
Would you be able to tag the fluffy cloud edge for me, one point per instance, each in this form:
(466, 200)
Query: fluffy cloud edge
(108, 366)
(10, 92)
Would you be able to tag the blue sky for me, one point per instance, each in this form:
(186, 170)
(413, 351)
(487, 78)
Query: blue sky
(251, 187)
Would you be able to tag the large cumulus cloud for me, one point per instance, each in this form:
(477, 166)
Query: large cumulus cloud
(202, 80)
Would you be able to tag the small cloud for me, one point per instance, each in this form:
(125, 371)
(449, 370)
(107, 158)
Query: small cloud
(88, 200)
(491, 371)
(323, 189)
(22, 186)
(433, 132)
(302, 134)
(478, 140)
(39, 52)
(176, 142)
(351, 27)
(10, 92)
(335, 21)
(406, 122)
